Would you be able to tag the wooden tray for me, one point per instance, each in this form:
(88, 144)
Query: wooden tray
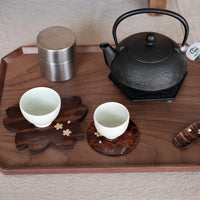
(158, 122)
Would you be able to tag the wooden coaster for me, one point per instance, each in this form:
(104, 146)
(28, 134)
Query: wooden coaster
(119, 146)
(62, 133)
(187, 136)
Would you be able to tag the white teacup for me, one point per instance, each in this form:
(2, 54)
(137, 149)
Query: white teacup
(40, 106)
(111, 119)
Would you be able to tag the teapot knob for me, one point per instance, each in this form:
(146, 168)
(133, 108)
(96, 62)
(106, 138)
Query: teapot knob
(150, 38)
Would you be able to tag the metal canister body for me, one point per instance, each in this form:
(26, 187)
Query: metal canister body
(56, 50)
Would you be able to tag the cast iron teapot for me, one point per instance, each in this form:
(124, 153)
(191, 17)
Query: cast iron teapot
(147, 62)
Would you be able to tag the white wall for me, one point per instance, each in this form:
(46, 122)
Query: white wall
(91, 20)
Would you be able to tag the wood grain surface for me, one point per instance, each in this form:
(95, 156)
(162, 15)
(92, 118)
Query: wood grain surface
(37, 140)
(119, 146)
(158, 122)
(161, 4)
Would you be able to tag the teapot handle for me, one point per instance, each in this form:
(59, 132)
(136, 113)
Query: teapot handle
(150, 10)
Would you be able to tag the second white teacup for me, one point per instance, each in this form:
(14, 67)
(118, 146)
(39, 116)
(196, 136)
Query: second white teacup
(111, 119)
(40, 106)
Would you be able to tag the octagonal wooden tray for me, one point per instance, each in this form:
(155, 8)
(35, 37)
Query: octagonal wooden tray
(158, 122)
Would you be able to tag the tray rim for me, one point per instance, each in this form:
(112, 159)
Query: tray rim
(82, 169)
(108, 169)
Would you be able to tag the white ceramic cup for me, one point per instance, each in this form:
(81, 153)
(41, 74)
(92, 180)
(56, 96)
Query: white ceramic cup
(111, 119)
(40, 106)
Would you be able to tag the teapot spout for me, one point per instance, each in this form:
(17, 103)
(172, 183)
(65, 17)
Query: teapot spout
(109, 52)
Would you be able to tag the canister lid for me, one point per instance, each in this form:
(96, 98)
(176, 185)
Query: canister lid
(56, 44)
(56, 38)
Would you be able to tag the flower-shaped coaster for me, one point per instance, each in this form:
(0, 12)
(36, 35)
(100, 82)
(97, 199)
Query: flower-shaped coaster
(62, 133)
(187, 135)
(119, 146)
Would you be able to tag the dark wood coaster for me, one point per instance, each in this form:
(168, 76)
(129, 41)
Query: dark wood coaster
(62, 133)
(187, 136)
(119, 146)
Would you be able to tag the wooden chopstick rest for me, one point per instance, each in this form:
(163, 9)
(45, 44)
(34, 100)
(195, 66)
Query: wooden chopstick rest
(188, 135)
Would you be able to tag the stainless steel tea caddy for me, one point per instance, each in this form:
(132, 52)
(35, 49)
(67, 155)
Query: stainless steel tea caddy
(56, 50)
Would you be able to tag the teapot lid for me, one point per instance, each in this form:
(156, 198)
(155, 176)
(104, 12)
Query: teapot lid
(149, 47)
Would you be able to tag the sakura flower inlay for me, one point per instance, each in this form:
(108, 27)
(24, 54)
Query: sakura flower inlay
(58, 126)
(67, 132)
